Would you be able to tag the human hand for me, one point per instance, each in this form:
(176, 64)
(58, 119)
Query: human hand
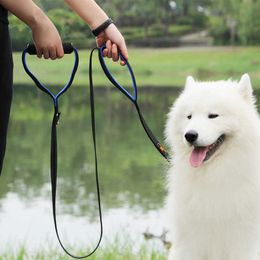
(114, 41)
(47, 40)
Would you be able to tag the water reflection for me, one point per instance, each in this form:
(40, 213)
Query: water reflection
(131, 170)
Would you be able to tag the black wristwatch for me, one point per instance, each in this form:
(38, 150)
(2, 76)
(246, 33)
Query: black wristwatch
(102, 27)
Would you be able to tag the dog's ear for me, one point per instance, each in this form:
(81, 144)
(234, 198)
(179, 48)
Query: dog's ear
(189, 82)
(245, 88)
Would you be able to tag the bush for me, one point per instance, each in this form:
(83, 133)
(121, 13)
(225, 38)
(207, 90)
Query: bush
(219, 31)
(246, 29)
(199, 20)
(249, 28)
(69, 25)
(196, 20)
(19, 32)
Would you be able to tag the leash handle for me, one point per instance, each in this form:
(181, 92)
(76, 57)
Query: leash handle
(133, 99)
(68, 48)
(54, 142)
(109, 75)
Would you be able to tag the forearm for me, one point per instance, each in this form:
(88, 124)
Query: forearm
(45, 35)
(89, 11)
(25, 10)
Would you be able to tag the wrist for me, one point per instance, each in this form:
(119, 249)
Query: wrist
(102, 27)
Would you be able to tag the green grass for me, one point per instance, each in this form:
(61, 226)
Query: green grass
(112, 252)
(154, 67)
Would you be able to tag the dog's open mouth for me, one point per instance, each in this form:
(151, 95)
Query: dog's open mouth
(201, 154)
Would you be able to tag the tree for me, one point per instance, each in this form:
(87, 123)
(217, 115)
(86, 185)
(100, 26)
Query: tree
(249, 22)
(236, 21)
(20, 33)
(146, 13)
(71, 27)
(47, 5)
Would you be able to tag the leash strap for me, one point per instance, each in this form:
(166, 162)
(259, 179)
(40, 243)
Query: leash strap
(131, 97)
(68, 48)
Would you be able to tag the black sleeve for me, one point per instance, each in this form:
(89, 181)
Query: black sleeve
(6, 84)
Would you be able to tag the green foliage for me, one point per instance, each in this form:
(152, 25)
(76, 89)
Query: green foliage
(219, 31)
(149, 23)
(71, 27)
(196, 20)
(19, 32)
(152, 18)
(47, 5)
(249, 29)
(236, 21)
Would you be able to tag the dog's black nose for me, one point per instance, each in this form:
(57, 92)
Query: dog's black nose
(191, 136)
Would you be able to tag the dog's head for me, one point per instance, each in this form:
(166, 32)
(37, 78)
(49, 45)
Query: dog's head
(207, 115)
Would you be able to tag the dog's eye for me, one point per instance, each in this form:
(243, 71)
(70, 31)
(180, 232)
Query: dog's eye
(189, 116)
(211, 116)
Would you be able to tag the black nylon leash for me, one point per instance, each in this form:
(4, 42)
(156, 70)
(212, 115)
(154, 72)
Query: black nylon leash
(131, 97)
(68, 48)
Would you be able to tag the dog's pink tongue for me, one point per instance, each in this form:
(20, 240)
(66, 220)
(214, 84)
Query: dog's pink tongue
(197, 156)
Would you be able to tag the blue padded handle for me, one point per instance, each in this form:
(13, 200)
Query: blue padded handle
(39, 84)
(132, 97)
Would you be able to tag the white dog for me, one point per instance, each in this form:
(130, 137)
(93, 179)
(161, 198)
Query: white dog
(213, 204)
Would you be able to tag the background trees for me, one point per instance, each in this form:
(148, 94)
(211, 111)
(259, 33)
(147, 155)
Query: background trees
(156, 22)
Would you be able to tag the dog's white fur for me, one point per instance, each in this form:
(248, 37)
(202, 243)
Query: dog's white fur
(214, 209)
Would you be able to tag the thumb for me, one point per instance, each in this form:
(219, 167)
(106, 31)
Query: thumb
(100, 39)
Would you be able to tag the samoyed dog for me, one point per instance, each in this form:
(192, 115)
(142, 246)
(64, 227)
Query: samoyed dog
(213, 203)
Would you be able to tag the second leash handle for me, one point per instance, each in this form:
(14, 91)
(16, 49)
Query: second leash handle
(132, 97)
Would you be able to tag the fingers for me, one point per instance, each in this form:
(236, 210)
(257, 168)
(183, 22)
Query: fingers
(115, 55)
(47, 40)
(50, 53)
(109, 49)
(46, 54)
(59, 51)
(112, 51)
(115, 42)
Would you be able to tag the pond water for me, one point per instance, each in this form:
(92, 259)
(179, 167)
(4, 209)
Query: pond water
(132, 172)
